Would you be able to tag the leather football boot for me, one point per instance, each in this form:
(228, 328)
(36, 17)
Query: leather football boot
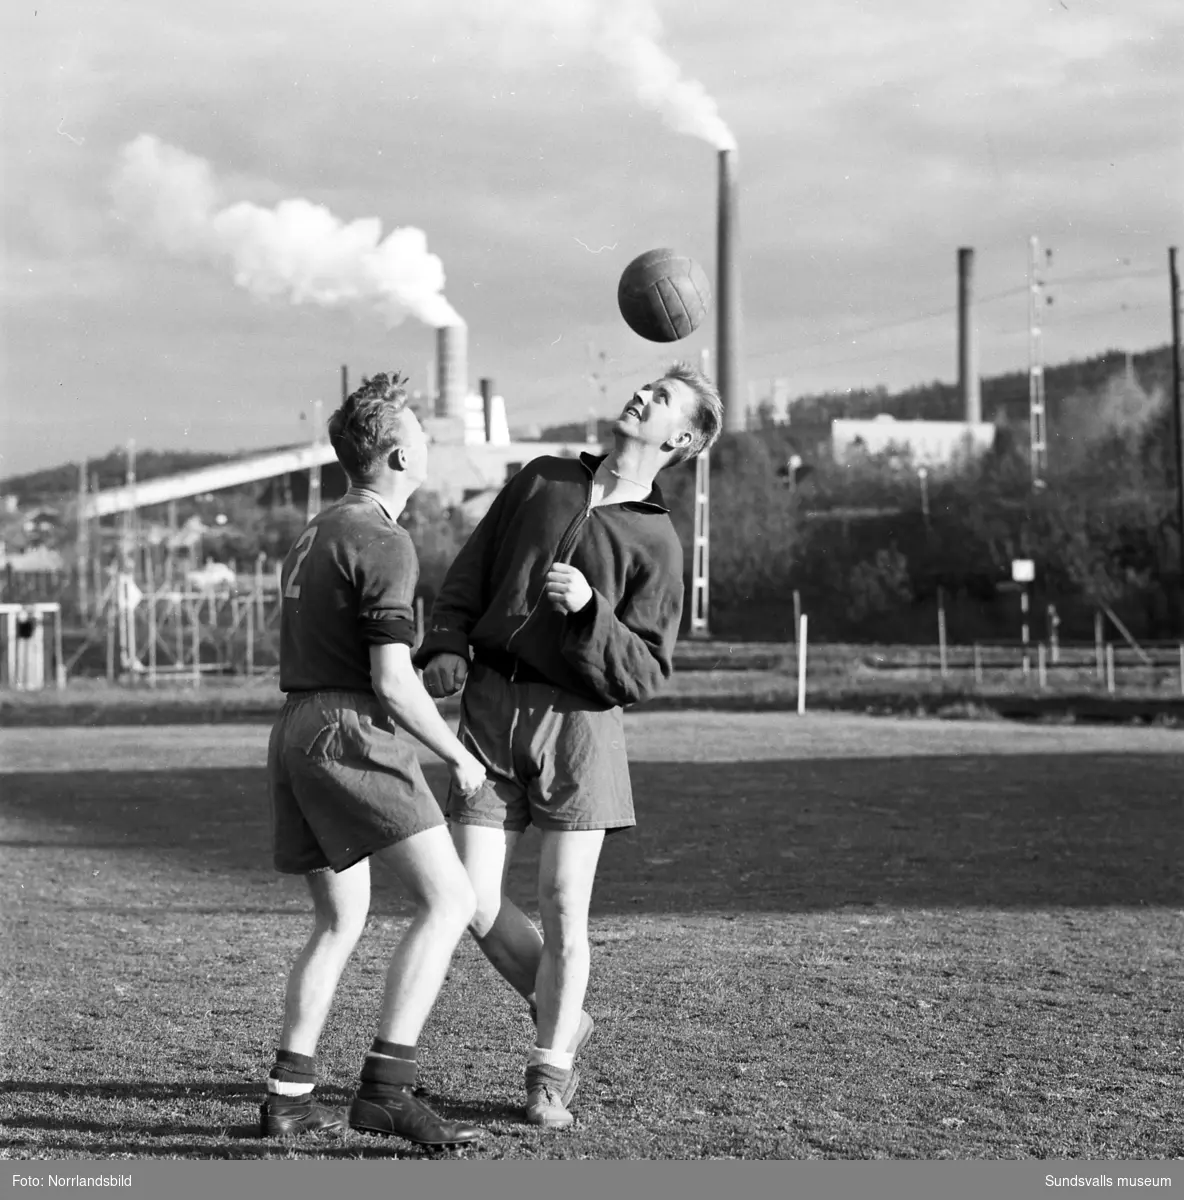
(285, 1116)
(399, 1112)
(548, 1092)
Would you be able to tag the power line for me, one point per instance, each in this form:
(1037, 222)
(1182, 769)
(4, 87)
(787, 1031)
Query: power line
(917, 318)
(943, 312)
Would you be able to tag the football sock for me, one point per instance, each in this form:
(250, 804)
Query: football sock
(388, 1065)
(392, 1049)
(540, 1056)
(293, 1074)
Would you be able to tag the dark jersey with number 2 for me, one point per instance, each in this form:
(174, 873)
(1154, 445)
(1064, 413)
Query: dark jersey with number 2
(348, 583)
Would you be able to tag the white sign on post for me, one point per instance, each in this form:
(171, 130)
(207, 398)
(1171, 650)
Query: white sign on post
(1023, 570)
(129, 594)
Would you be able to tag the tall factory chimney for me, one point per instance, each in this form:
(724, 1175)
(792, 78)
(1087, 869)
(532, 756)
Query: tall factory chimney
(969, 394)
(452, 371)
(487, 407)
(727, 293)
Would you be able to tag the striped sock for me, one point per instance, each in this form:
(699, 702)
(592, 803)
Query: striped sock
(293, 1074)
(389, 1064)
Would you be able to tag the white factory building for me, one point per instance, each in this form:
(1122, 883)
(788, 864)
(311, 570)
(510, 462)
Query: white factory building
(931, 444)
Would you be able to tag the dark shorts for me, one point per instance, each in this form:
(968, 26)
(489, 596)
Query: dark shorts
(550, 758)
(344, 782)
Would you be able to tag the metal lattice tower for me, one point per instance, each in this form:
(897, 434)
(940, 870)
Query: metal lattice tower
(702, 535)
(1036, 422)
(698, 626)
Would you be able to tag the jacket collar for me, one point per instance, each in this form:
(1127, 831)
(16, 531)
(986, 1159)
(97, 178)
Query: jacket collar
(654, 502)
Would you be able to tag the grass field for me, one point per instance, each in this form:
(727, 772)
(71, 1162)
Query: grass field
(834, 936)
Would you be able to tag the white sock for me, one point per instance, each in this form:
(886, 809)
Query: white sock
(542, 1056)
(281, 1087)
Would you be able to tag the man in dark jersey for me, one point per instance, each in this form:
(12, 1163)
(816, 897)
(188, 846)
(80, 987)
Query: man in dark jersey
(562, 607)
(345, 781)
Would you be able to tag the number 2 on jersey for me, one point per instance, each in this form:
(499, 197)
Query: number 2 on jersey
(302, 547)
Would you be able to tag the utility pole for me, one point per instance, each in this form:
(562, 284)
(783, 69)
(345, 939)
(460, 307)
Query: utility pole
(1036, 425)
(82, 541)
(1177, 406)
(314, 472)
(597, 377)
(131, 517)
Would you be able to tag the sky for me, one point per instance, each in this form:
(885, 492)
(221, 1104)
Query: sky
(209, 208)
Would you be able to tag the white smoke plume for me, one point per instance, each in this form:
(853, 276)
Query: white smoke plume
(628, 34)
(297, 251)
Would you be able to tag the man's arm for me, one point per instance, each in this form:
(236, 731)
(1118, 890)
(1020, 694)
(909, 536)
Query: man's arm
(398, 687)
(386, 573)
(626, 656)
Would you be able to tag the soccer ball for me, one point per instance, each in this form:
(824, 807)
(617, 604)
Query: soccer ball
(663, 295)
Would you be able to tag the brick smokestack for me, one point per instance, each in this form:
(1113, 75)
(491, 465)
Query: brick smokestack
(487, 407)
(729, 374)
(452, 370)
(969, 394)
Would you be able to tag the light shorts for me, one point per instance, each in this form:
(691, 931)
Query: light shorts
(344, 782)
(551, 758)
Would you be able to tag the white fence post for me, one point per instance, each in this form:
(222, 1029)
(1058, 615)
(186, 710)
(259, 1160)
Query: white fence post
(941, 632)
(802, 665)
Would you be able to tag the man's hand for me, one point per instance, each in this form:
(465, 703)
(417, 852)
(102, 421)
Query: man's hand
(445, 675)
(567, 589)
(468, 774)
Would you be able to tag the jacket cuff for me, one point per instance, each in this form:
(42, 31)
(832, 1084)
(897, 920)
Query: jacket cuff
(442, 642)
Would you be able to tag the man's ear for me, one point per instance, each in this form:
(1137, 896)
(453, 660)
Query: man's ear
(678, 440)
(397, 460)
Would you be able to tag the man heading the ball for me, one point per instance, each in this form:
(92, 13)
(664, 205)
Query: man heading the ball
(562, 608)
(345, 781)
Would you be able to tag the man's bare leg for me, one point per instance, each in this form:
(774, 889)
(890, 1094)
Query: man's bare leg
(567, 871)
(340, 901)
(432, 875)
(340, 904)
(506, 935)
(429, 869)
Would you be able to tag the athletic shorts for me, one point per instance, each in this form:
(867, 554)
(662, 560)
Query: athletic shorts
(344, 782)
(550, 758)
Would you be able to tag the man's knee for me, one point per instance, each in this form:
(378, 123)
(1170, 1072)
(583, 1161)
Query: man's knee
(454, 903)
(341, 926)
(486, 908)
(564, 914)
(341, 902)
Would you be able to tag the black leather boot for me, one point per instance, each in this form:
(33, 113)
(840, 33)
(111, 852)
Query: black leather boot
(398, 1112)
(283, 1116)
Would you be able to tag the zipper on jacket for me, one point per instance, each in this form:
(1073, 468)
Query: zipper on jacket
(566, 544)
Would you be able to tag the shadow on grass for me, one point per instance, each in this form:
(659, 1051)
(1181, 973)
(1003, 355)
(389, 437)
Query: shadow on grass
(95, 1097)
(792, 835)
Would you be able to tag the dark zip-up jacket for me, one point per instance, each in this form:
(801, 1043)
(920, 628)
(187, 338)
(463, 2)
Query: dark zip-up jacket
(618, 649)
